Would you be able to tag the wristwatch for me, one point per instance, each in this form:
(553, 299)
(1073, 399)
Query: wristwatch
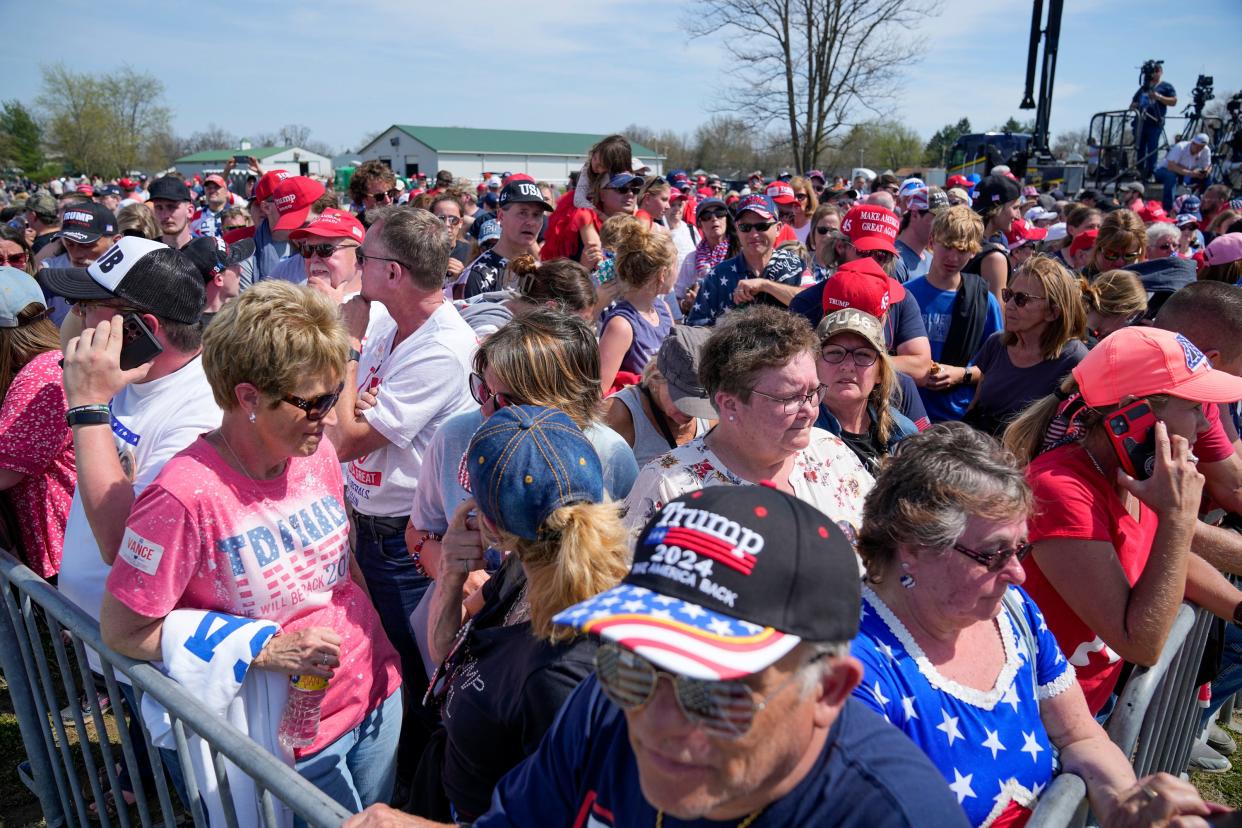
(968, 376)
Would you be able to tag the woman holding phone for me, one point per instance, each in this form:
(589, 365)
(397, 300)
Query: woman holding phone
(1111, 558)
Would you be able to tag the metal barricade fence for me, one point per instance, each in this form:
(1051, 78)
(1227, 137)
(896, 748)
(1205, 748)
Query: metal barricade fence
(1062, 805)
(1154, 723)
(66, 777)
(1157, 717)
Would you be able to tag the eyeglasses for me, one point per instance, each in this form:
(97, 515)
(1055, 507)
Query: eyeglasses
(792, 405)
(324, 250)
(726, 709)
(81, 309)
(864, 357)
(713, 214)
(757, 226)
(15, 260)
(451, 221)
(364, 256)
(995, 561)
(482, 393)
(1114, 256)
(802, 196)
(316, 408)
(1018, 297)
(384, 195)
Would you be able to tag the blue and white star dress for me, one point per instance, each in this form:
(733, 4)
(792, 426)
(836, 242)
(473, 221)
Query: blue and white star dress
(990, 746)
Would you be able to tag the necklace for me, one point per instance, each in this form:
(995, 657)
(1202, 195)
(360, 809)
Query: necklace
(743, 824)
(1094, 462)
(236, 459)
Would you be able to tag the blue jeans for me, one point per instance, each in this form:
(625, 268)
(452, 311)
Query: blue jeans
(1169, 180)
(396, 587)
(1146, 142)
(1229, 680)
(360, 767)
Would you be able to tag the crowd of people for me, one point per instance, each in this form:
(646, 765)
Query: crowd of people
(888, 481)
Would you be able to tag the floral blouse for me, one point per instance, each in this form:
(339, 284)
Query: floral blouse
(826, 474)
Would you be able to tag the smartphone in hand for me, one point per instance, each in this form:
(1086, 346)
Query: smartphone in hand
(138, 345)
(1132, 433)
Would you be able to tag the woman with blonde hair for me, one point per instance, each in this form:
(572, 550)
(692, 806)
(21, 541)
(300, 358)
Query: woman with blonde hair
(239, 516)
(1121, 241)
(1112, 556)
(544, 358)
(1040, 343)
(653, 203)
(633, 327)
(804, 207)
(1113, 300)
(539, 493)
(137, 220)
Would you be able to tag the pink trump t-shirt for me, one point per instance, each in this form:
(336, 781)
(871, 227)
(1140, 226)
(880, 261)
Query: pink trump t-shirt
(203, 536)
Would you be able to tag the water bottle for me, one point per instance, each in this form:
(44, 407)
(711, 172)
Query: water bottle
(300, 723)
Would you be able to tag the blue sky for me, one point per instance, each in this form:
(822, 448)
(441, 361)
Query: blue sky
(347, 70)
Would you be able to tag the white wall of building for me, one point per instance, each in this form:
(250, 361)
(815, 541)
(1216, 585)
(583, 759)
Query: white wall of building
(407, 156)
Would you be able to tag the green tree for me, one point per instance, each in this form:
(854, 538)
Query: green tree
(103, 124)
(936, 153)
(21, 139)
(1012, 124)
(895, 145)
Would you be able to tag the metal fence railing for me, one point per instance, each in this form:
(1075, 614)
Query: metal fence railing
(44, 639)
(1157, 716)
(1062, 805)
(1154, 723)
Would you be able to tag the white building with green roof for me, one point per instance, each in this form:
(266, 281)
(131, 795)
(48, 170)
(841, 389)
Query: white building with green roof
(294, 160)
(468, 153)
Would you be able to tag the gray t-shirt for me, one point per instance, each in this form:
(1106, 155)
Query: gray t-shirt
(1006, 390)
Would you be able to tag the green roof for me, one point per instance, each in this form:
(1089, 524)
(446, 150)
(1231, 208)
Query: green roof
(518, 141)
(209, 156)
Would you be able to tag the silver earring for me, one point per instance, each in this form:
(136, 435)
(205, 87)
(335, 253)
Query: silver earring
(906, 580)
(252, 417)
(732, 419)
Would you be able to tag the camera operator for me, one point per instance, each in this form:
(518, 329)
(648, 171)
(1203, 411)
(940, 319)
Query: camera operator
(1191, 159)
(1151, 102)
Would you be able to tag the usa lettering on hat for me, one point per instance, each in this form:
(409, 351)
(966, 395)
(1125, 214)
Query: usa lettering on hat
(110, 268)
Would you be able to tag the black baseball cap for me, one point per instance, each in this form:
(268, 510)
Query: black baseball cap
(168, 188)
(772, 572)
(522, 192)
(86, 222)
(147, 274)
(107, 190)
(211, 254)
(995, 190)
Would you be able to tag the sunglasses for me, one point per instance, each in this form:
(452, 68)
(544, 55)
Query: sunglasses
(1114, 256)
(760, 226)
(482, 393)
(823, 230)
(632, 190)
(786, 217)
(995, 561)
(1018, 297)
(713, 214)
(385, 195)
(451, 221)
(802, 196)
(324, 250)
(726, 709)
(316, 408)
(15, 260)
(863, 357)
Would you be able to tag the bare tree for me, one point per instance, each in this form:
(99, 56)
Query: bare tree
(813, 65)
(1070, 141)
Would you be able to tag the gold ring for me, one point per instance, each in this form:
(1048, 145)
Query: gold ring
(1149, 792)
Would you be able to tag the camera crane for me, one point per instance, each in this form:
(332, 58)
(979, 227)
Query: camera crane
(1051, 35)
